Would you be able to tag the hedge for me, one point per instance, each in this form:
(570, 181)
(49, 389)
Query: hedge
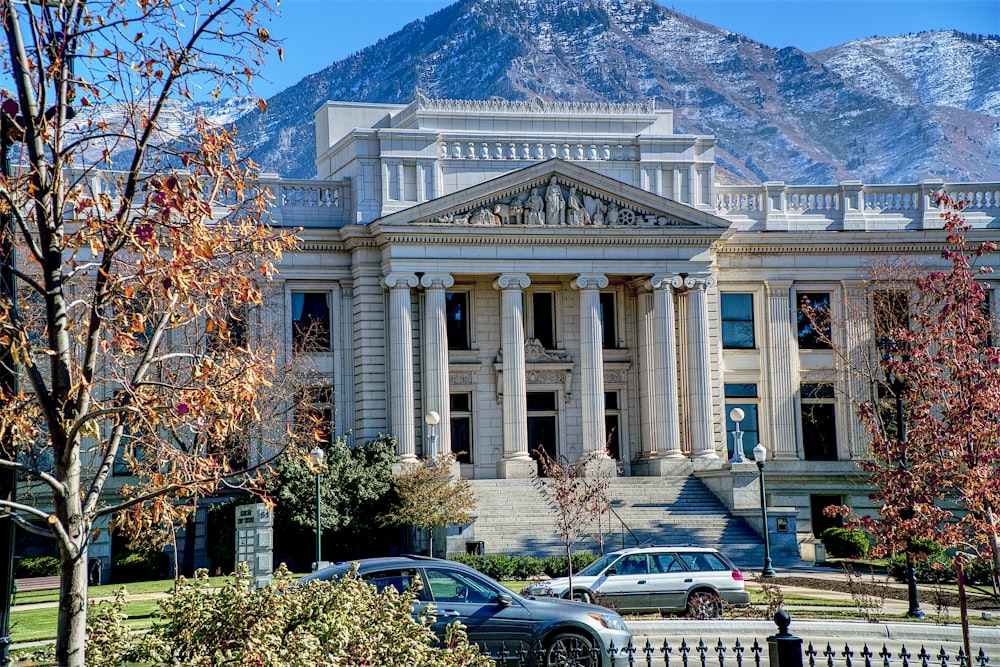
(140, 566)
(36, 566)
(503, 567)
(844, 543)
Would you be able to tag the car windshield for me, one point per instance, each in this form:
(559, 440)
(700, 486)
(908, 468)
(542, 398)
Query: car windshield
(597, 566)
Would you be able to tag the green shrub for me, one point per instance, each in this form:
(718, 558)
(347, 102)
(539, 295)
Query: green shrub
(343, 622)
(931, 564)
(526, 567)
(844, 543)
(503, 567)
(140, 566)
(36, 566)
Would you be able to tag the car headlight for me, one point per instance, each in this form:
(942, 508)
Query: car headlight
(610, 621)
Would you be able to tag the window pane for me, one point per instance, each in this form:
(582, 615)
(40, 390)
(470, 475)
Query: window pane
(461, 438)
(609, 326)
(314, 416)
(459, 402)
(749, 427)
(311, 321)
(819, 432)
(541, 401)
(814, 320)
(543, 319)
(457, 320)
(741, 390)
(890, 311)
(737, 321)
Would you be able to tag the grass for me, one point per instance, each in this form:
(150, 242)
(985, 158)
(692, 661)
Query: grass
(93, 592)
(30, 625)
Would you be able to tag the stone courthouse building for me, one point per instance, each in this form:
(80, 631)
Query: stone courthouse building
(572, 277)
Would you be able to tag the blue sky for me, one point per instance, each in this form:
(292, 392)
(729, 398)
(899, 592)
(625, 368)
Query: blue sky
(319, 32)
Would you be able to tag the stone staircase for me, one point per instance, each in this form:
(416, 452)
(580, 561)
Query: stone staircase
(516, 516)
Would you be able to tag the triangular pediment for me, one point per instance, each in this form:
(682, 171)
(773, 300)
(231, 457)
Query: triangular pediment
(554, 194)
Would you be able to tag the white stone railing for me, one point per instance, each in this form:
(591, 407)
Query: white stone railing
(775, 206)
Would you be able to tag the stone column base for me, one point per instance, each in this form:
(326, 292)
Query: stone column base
(662, 466)
(603, 466)
(516, 468)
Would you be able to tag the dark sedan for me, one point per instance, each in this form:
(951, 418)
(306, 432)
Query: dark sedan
(495, 617)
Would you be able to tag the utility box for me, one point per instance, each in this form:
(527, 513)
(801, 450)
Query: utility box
(255, 541)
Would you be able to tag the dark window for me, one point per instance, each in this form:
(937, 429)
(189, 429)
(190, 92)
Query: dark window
(402, 580)
(231, 332)
(457, 320)
(891, 312)
(461, 427)
(542, 424)
(543, 319)
(750, 425)
(612, 425)
(129, 449)
(311, 321)
(820, 522)
(819, 423)
(814, 320)
(314, 416)
(737, 321)
(609, 324)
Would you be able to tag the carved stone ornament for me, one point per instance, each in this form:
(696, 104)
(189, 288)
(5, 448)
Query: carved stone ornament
(554, 202)
(535, 351)
(462, 378)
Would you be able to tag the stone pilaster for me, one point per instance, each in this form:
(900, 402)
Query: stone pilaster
(516, 460)
(855, 371)
(781, 367)
(435, 342)
(699, 366)
(591, 361)
(401, 363)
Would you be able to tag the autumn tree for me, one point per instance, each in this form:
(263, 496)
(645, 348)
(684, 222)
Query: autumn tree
(427, 496)
(579, 491)
(934, 469)
(127, 333)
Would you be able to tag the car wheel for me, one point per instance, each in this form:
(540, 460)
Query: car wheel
(704, 604)
(570, 650)
(582, 596)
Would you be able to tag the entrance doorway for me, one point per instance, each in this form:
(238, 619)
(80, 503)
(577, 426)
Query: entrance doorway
(542, 427)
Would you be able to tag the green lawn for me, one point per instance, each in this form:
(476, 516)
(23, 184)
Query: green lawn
(28, 625)
(93, 592)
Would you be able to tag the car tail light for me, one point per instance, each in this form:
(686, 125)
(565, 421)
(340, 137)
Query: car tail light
(737, 575)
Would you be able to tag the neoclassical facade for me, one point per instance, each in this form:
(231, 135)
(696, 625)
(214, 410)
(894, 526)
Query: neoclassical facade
(571, 277)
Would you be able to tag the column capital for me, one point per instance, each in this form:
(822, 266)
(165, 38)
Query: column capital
(664, 281)
(699, 282)
(588, 281)
(399, 280)
(437, 280)
(512, 281)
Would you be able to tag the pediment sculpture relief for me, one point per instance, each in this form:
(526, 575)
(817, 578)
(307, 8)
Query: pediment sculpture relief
(558, 204)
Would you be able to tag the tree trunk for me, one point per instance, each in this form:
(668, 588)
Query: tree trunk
(569, 569)
(71, 633)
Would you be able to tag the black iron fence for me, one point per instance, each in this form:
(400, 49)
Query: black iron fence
(782, 650)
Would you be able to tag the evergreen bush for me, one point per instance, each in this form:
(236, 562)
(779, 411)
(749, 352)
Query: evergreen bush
(140, 566)
(845, 543)
(36, 566)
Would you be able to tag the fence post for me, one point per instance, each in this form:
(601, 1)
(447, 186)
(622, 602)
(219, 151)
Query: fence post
(784, 649)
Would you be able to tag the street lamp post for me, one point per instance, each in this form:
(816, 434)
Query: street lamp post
(905, 514)
(433, 419)
(760, 455)
(317, 456)
(737, 415)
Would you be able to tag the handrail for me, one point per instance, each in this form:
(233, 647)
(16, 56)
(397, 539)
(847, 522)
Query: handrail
(624, 526)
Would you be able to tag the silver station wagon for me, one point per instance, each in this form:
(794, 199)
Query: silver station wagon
(692, 580)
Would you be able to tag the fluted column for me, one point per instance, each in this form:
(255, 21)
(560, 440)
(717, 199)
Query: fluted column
(516, 459)
(591, 361)
(699, 366)
(857, 340)
(781, 367)
(666, 420)
(435, 341)
(401, 363)
(645, 337)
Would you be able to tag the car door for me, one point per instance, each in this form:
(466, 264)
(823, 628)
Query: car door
(667, 582)
(492, 618)
(624, 586)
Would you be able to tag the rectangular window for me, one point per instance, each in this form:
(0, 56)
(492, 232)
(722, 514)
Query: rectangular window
(612, 425)
(820, 522)
(737, 321)
(457, 320)
(231, 332)
(311, 322)
(814, 320)
(819, 423)
(461, 427)
(743, 396)
(890, 312)
(543, 319)
(542, 424)
(609, 323)
(129, 448)
(314, 416)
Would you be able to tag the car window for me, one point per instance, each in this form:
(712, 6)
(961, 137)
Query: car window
(400, 579)
(703, 562)
(452, 586)
(597, 566)
(664, 563)
(633, 564)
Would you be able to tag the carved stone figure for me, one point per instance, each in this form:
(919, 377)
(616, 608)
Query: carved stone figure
(534, 209)
(555, 205)
(575, 213)
(509, 212)
(612, 218)
(484, 216)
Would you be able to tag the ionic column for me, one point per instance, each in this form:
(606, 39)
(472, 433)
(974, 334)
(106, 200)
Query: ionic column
(699, 366)
(781, 367)
(401, 363)
(435, 335)
(666, 411)
(591, 361)
(516, 460)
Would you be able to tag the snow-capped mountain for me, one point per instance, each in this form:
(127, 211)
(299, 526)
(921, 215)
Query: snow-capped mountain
(882, 110)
